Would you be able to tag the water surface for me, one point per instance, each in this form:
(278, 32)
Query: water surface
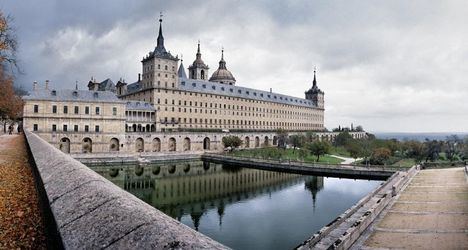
(243, 208)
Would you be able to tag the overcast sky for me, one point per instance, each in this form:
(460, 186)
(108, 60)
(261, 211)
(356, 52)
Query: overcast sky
(399, 66)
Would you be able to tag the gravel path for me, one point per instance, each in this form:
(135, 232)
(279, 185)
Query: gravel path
(21, 224)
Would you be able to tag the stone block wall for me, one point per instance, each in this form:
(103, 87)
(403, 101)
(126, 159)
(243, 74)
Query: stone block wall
(91, 212)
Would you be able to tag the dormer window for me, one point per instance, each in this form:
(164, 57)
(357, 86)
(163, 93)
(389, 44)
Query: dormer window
(204, 86)
(54, 92)
(75, 93)
(194, 84)
(222, 88)
(95, 94)
(213, 87)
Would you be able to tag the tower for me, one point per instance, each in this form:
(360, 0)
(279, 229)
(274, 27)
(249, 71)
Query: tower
(222, 74)
(159, 66)
(315, 94)
(198, 70)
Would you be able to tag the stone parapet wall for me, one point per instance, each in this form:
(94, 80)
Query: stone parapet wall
(90, 212)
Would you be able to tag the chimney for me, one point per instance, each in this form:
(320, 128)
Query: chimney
(35, 85)
(271, 90)
(47, 84)
(139, 77)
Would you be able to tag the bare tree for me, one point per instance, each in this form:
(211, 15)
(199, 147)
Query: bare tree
(8, 42)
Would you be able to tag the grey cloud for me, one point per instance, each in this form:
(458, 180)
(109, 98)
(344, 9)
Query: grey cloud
(379, 61)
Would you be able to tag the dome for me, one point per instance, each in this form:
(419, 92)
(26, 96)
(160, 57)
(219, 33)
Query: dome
(222, 74)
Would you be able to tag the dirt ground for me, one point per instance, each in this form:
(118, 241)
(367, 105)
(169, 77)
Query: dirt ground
(431, 213)
(21, 221)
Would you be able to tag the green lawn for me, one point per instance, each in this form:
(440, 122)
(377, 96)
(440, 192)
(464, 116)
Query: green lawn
(407, 162)
(340, 151)
(293, 155)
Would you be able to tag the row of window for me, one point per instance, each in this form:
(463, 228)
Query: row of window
(65, 128)
(238, 122)
(237, 107)
(76, 110)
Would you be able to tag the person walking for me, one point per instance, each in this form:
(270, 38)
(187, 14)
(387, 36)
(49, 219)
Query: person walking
(10, 129)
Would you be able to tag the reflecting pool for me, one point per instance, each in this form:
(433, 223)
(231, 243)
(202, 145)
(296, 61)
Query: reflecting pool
(243, 208)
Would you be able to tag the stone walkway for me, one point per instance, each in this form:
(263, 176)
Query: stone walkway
(431, 213)
(21, 223)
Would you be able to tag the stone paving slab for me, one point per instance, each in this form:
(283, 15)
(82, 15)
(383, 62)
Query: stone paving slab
(431, 207)
(417, 241)
(431, 213)
(425, 221)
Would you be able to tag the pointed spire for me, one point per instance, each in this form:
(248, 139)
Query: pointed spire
(222, 63)
(314, 83)
(198, 51)
(160, 44)
(76, 85)
(181, 71)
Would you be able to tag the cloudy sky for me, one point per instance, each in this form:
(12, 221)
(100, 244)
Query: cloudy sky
(399, 66)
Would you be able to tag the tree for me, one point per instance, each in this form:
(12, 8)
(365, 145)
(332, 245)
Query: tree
(414, 149)
(354, 149)
(8, 41)
(380, 156)
(310, 136)
(296, 141)
(432, 150)
(282, 136)
(453, 146)
(232, 142)
(359, 129)
(11, 105)
(343, 138)
(319, 148)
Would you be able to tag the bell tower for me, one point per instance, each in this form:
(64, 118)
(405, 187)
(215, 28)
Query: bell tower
(160, 66)
(198, 70)
(315, 94)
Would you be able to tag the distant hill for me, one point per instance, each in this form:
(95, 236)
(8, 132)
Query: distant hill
(418, 136)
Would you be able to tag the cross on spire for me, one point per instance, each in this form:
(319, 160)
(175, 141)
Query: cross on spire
(160, 16)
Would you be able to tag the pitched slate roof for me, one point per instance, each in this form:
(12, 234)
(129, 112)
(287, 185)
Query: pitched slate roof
(236, 91)
(107, 85)
(73, 95)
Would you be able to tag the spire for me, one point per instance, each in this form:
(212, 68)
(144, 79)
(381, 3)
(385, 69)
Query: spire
(198, 51)
(181, 71)
(160, 44)
(222, 63)
(76, 85)
(314, 83)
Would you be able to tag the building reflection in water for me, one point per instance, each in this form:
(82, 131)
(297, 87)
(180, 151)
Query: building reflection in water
(193, 188)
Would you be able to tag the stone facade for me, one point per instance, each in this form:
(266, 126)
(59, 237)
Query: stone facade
(195, 103)
(166, 111)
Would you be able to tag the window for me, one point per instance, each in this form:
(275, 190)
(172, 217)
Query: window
(65, 109)
(36, 108)
(86, 128)
(86, 110)
(114, 111)
(54, 127)
(75, 128)
(35, 126)
(54, 109)
(96, 129)
(65, 128)
(97, 110)
(77, 110)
